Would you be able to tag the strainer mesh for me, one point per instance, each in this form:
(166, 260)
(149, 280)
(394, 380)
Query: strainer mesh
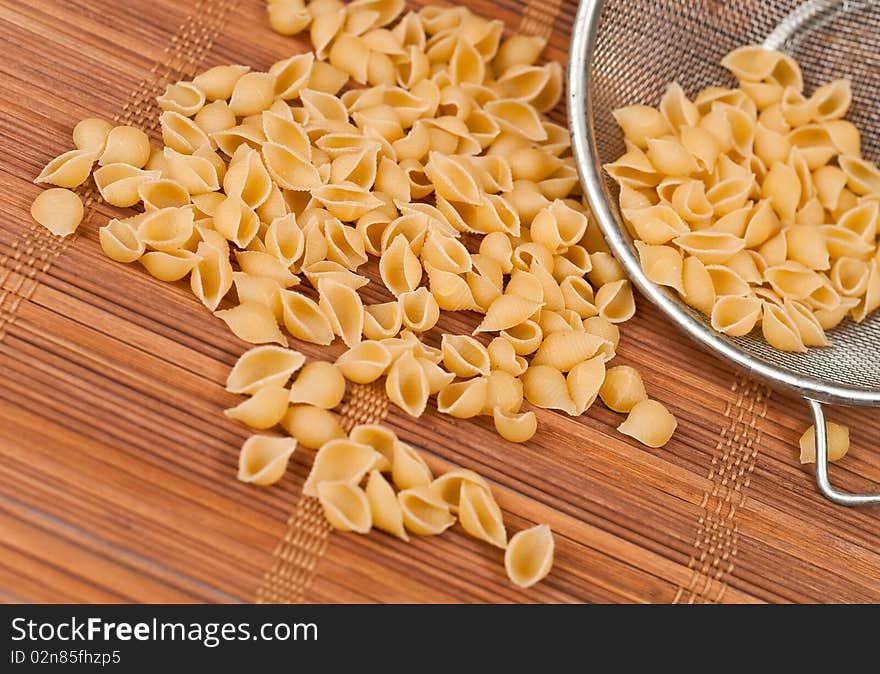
(642, 45)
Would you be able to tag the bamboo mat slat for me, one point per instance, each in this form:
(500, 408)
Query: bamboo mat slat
(117, 466)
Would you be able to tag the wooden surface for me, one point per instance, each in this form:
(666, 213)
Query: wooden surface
(117, 468)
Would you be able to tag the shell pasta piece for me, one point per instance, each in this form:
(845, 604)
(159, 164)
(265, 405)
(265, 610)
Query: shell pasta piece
(319, 383)
(312, 426)
(424, 514)
(263, 459)
(386, 512)
(263, 410)
(59, 210)
(838, 442)
(529, 555)
(480, 515)
(345, 506)
(263, 366)
(340, 460)
(650, 423)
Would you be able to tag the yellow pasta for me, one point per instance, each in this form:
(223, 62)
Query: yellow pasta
(465, 399)
(312, 426)
(407, 385)
(838, 442)
(515, 427)
(169, 265)
(69, 169)
(408, 469)
(424, 514)
(345, 506)
(320, 384)
(125, 145)
(464, 356)
(529, 555)
(91, 134)
(253, 322)
(264, 409)
(480, 515)
(263, 459)
(365, 362)
(263, 366)
(120, 242)
(386, 512)
(650, 423)
(59, 210)
(622, 388)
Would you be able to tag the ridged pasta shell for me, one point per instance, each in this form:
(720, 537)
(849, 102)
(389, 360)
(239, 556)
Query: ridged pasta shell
(379, 437)
(424, 514)
(565, 350)
(506, 312)
(545, 386)
(464, 400)
(464, 356)
(253, 322)
(383, 320)
(263, 459)
(320, 384)
(503, 356)
(622, 388)
(345, 506)
(211, 278)
(120, 242)
(171, 265)
(736, 316)
(584, 382)
(344, 310)
(650, 423)
(515, 427)
(480, 515)
(399, 268)
(304, 319)
(438, 378)
(420, 311)
(529, 555)
(68, 170)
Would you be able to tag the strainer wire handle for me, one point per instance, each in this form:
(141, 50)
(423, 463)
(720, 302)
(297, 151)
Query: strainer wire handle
(824, 484)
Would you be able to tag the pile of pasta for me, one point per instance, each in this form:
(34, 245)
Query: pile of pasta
(754, 204)
(351, 471)
(419, 140)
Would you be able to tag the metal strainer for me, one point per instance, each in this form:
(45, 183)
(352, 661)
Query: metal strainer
(628, 51)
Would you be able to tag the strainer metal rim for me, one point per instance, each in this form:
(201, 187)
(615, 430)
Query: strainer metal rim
(584, 149)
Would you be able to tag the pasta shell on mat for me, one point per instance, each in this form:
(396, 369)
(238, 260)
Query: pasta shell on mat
(517, 117)
(424, 514)
(169, 266)
(218, 82)
(525, 337)
(384, 506)
(408, 468)
(253, 322)
(650, 423)
(287, 133)
(264, 409)
(258, 263)
(345, 506)
(529, 555)
(263, 366)
(313, 427)
(252, 93)
(289, 170)
(118, 183)
(622, 388)
(383, 320)
(420, 311)
(182, 133)
(604, 269)
(480, 515)
(184, 98)
(698, 285)
(334, 271)
(125, 145)
(838, 442)
(69, 170)
(342, 307)
(229, 140)
(211, 278)
(502, 356)
(197, 174)
(365, 362)
(163, 193)
(448, 253)
(344, 244)
(407, 385)
(91, 134)
(59, 210)
(452, 180)
(578, 296)
(615, 301)
(399, 268)
(166, 229)
(438, 378)
(464, 356)
(341, 460)
(505, 392)
(736, 316)
(451, 291)
(525, 284)
(507, 311)
(263, 459)
(304, 318)
(120, 242)
(545, 387)
(346, 201)
(319, 383)
(513, 426)
(564, 350)
(602, 327)
(465, 399)
(584, 381)
(379, 437)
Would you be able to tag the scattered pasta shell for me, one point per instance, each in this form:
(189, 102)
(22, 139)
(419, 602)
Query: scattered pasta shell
(90, 134)
(70, 169)
(513, 426)
(424, 513)
(340, 460)
(304, 318)
(365, 362)
(447, 487)
(622, 388)
(263, 410)
(384, 506)
(320, 384)
(120, 242)
(480, 515)
(408, 468)
(381, 438)
(529, 555)
(838, 442)
(650, 423)
(312, 426)
(564, 350)
(545, 386)
(263, 366)
(465, 399)
(59, 210)
(253, 322)
(345, 506)
(507, 311)
(263, 459)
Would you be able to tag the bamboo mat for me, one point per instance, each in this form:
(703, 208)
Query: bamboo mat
(117, 467)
